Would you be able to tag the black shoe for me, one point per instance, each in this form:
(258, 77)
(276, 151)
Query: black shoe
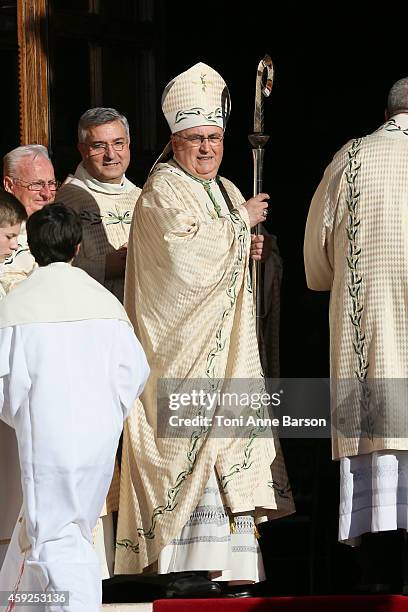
(380, 557)
(237, 590)
(192, 586)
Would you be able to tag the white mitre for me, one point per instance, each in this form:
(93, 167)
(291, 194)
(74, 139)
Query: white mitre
(198, 96)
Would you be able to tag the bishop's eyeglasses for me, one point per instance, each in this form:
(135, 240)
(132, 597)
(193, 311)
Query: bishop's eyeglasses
(196, 140)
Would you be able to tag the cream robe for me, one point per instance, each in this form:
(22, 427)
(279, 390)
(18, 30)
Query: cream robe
(188, 293)
(106, 211)
(356, 245)
(18, 266)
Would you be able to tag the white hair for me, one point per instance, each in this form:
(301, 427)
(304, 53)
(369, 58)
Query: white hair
(14, 157)
(99, 116)
(398, 97)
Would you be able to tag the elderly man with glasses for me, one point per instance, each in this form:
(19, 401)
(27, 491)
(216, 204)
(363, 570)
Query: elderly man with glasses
(100, 192)
(189, 500)
(29, 175)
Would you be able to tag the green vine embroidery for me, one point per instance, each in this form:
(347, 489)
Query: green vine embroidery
(128, 545)
(195, 437)
(254, 433)
(392, 126)
(231, 293)
(239, 467)
(248, 282)
(213, 116)
(355, 284)
(21, 249)
(282, 490)
(91, 217)
(111, 218)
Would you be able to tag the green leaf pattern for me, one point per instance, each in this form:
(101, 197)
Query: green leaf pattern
(210, 370)
(355, 285)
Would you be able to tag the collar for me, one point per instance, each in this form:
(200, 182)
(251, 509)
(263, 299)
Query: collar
(125, 186)
(401, 119)
(204, 182)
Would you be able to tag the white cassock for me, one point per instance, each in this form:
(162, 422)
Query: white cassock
(65, 387)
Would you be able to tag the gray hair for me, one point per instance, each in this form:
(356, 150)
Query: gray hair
(99, 116)
(398, 97)
(14, 157)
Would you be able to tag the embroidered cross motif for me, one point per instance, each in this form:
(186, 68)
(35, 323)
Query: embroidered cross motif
(202, 81)
(111, 218)
(114, 218)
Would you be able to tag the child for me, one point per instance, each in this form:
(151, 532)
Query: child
(12, 214)
(70, 366)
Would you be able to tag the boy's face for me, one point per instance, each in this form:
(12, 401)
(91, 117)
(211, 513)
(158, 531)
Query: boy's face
(8, 240)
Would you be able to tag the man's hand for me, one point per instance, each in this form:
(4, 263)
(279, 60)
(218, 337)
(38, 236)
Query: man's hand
(115, 263)
(256, 207)
(260, 247)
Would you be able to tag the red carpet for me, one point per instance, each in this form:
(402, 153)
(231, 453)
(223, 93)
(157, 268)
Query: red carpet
(333, 603)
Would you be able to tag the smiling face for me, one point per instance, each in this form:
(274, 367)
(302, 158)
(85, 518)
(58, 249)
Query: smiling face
(27, 171)
(204, 160)
(8, 240)
(99, 157)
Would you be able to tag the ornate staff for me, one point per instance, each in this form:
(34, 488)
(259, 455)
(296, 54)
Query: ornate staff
(258, 141)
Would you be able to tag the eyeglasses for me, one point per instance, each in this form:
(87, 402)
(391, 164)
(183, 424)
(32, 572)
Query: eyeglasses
(197, 139)
(37, 185)
(97, 148)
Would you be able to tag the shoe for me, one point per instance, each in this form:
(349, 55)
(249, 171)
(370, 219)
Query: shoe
(242, 593)
(237, 590)
(380, 557)
(192, 586)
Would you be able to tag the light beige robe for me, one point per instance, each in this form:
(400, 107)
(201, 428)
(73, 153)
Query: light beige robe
(356, 245)
(18, 266)
(106, 211)
(188, 293)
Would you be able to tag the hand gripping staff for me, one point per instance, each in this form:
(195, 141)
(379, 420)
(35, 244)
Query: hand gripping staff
(258, 140)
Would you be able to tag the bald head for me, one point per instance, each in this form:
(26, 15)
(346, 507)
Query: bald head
(398, 98)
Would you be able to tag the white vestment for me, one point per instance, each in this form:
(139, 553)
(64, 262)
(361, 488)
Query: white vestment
(66, 385)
